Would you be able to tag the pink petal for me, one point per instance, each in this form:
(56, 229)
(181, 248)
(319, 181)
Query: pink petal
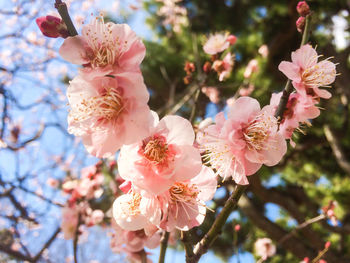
(305, 57)
(207, 183)
(278, 148)
(73, 50)
(291, 70)
(244, 109)
(188, 165)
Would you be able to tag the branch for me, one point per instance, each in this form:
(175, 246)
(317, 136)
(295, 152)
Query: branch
(63, 11)
(203, 245)
(47, 244)
(163, 246)
(186, 240)
(337, 149)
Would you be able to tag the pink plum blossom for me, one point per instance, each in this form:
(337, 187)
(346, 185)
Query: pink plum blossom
(108, 112)
(52, 26)
(253, 66)
(104, 49)
(69, 221)
(133, 241)
(216, 43)
(165, 156)
(307, 74)
(185, 201)
(264, 248)
(300, 109)
(238, 146)
(224, 67)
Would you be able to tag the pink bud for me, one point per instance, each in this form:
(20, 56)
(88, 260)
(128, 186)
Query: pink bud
(52, 26)
(322, 261)
(232, 39)
(300, 24)
(303, 8)
(327, 245)
(207, 67)
(237, 227)
(306, 260)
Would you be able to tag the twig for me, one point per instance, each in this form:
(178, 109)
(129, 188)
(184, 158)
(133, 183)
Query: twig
(301, 226)
(289, 88)
(143, 256)
(76, 239)
(47, 244)
(186, 240)
(163, 246)
(203, 245)
(63, 11)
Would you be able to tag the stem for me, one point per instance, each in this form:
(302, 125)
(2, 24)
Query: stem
(75, 241)
(194, 108)
(163, 246)
(63, 11)
(203, 245)
(289, 88)
(143, 256)
(186, 240)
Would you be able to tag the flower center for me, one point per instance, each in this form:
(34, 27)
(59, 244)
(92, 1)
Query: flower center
(155, 149)
(105, 107)
(181, 192)
(319, 75)
(257, 133)
(134, 204)
(103, 47)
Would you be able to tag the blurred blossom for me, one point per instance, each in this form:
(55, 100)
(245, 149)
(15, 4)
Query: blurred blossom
(252, 67)
(265, 248)
(247, 91)
(54, 183)
(264, 51)
(212, 93)
(216, 43)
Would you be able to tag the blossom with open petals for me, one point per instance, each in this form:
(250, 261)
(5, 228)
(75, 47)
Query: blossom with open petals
(165, 156)
(307, 74)
(216, 43)
(104, 49)
(264, 248)
(238, 146)
(108, 112)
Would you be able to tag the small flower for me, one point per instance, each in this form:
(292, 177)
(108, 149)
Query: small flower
(224, 67)
(216, 44)
(104, 49)
(238, 146)
(307, 74)
(265, 248)
(252, 67)
(165, 156)
(108, 112)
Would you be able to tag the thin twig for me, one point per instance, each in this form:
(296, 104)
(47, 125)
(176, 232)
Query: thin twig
(301, 226)
(186, 240)
(204, 244)
(76, 239)
(63, 11)
(163, 246)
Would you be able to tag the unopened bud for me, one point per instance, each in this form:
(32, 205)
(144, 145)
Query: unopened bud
(306, 260)
(52, 26)
(189, 67)
(207, 67)
(237, 227)
(303, 8)
(187, 79)
(327, 245)
(231, 39)
(300, 24)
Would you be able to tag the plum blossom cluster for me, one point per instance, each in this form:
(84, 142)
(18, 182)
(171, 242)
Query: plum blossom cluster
(78, 212)
(174, 14)
(308, 75)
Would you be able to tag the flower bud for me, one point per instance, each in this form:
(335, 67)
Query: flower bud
(300, 24)
(187, 79)
(189, 67)
(237, 227)
(52, 26)
(303, 8)
(207, 67)
(232, 39)
(327, 245)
